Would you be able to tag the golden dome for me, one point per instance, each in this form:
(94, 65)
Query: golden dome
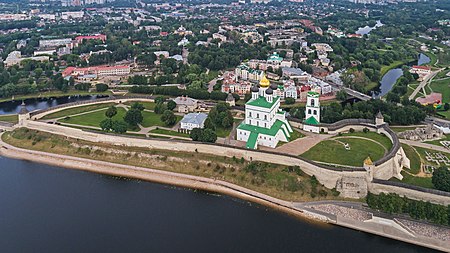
(264, 82)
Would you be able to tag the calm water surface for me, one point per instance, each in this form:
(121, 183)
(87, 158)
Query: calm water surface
(13, 107)
(50, 209)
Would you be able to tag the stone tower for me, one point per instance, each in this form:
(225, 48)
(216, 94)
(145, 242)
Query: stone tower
(379, 119)
(24, 114)
(312, 106)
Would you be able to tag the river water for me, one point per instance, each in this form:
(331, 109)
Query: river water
(13, 107)
(50, 209)
(390, 78)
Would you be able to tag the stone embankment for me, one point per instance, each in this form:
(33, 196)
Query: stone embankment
(330, 212)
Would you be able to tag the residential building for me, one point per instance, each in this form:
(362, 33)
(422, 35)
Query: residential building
(54, 42)
(15, 57)
(243, 71)
(192, 120)
(97, 71)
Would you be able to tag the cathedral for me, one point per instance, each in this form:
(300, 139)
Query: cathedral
(265, 123)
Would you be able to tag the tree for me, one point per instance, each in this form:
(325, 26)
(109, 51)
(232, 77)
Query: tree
(446, 106)
(160, 108)
(111, 111)
(341, 95)
(208, 135)
(106, 124)
(133, 117)
(289, 101)
(118, 126)
(171, 105)
(195, 134)
(169, 118)
(441, 179)
(137, 106)
(101, 87)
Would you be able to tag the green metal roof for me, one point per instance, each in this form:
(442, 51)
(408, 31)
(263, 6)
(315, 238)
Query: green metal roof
(266, 131)
(275, 57)
(262, 102)
(313, 94)
(251, 142)
(311, 121)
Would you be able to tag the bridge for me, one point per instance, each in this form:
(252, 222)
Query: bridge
(357, 94)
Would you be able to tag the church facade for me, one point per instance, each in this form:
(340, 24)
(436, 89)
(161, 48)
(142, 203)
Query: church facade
(265, 123)
(312, 113)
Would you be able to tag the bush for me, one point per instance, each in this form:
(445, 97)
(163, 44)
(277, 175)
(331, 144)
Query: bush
(351, 130)
(366, 130)
(441, 179)
(101, 87)
(289, 101)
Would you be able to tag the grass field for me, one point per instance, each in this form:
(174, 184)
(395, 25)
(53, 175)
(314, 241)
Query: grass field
(437, 142)
(442, 86)
(223, 132)
(93, 118)
(153, 119)
(76, 110)
(413, 157)
(418, 181)
(399, 129)
(331, 151)
(168, 132)
(381, 138)
(12, 118)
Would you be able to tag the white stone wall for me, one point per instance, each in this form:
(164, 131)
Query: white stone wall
(409, 193)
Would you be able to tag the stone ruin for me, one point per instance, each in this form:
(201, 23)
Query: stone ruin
(422, 134)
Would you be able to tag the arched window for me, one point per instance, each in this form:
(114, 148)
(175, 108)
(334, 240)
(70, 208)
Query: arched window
(312, 102)
(309, 111)
(314, 112)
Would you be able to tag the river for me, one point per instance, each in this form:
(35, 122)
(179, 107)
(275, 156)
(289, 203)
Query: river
(50, 209)
(390, 78)
(13, 107)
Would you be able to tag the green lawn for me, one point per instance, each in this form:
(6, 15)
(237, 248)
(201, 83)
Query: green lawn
(169, 132)
(93, 118)
(399, 129)
(381, 138)
(12, 118)
(223, 132)
(442, 87)
(417, 181)
(153, 119)
(147, 105)
(331, 151)
(76, 110)
(437, 142)
(413, 157)
(295, 135)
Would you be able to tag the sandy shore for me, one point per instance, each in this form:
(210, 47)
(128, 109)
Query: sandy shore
(188, 181)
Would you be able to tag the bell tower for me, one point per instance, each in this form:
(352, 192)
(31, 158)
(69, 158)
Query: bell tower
(312, 106)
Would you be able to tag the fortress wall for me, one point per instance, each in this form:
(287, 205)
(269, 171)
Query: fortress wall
(377, 188)
(329, 178)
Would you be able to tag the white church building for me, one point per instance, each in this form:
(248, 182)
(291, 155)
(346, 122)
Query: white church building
(312, 113)
(265, 123)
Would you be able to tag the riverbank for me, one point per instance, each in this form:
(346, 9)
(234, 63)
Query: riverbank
(377, 226)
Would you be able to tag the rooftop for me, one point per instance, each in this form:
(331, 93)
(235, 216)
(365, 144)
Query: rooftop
(262, 102)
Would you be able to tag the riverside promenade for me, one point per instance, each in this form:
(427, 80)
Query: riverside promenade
(319, 211)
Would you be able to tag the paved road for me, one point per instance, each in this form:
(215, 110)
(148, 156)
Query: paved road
(424, 83)
(425, 145)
